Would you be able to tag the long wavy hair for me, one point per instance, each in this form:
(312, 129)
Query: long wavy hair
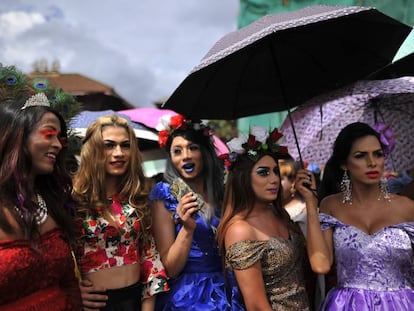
(333, 172)
(213, 172)
(89, 182)
(16, 186)
(239, 197)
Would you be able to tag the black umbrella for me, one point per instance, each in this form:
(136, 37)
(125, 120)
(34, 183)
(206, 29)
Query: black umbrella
(282, 60)
(400, 68)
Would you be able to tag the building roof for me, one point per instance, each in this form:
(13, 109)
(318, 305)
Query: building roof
(74, 83)
(83, 87)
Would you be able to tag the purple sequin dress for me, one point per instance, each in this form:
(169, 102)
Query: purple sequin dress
(374, 272)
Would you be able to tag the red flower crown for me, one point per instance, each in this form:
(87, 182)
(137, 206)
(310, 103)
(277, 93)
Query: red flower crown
(258, 141)
(169, 123)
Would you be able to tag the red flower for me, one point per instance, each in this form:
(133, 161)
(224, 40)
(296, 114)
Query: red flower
(176, 121)
(146, 268)
(137, 226)
(111, 232)
(275, 135)
(224, 156)
(116, 208)
(117, 198)
(251, 142)
(283, 150)
(93, 259)
(162, 138)
(132, 254)
(112, 262)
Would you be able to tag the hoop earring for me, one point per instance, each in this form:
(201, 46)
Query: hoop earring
(384, 190)
(346, 189)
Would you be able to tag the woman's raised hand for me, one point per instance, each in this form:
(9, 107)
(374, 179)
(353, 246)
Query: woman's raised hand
(186, 209)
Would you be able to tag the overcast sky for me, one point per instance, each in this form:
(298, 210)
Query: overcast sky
(142, 48)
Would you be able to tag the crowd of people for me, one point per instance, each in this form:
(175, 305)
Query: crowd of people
(247, 230)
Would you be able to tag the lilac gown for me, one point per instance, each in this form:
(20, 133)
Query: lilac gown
(374, 272)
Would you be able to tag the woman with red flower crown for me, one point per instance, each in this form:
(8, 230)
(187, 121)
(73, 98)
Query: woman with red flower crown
(186, 212)
(116, 252)
(263, 247)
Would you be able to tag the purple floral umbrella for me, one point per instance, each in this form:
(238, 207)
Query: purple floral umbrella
(386, 104)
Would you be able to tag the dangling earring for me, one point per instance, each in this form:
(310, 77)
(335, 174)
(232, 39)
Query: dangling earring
(384, 190)
(292, 190)
(346, 189)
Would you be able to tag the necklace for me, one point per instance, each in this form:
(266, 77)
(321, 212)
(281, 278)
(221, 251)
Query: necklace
(40, 215)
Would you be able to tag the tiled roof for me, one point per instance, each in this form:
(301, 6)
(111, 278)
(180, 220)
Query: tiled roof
(74, 83)
(80, 85)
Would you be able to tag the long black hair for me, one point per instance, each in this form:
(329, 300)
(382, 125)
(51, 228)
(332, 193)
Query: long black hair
(333, 172)
(16, 188)
(213, 171)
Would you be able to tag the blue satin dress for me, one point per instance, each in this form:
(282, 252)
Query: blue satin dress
(201, 285)
(374, 272)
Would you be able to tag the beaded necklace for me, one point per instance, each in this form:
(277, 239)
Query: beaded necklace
(40, 214)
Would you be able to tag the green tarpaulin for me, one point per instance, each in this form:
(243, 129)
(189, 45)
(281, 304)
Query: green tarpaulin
(250, 10)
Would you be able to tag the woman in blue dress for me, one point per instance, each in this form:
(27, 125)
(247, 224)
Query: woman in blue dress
(366, 231)
(186, 211)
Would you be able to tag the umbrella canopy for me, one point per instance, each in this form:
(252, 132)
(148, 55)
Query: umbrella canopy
(81, 121)
(318, 122)
(400, 68)
(150, 117)
(282, 60)
(147, 115)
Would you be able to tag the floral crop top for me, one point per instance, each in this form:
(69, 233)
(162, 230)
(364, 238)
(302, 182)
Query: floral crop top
(103, 245)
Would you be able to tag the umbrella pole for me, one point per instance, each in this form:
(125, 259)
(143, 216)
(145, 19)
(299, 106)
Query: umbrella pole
(296, 138)
(276, 64)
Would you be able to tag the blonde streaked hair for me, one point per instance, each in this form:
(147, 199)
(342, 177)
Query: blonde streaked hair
(90, 179)
(287, 168)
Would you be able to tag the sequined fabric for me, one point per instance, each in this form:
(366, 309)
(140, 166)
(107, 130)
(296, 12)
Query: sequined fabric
(41, 279)
(374, 272)
(282, 268)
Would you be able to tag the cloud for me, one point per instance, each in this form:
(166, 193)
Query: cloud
(143, 49)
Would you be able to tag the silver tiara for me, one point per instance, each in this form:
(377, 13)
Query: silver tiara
(38, 99)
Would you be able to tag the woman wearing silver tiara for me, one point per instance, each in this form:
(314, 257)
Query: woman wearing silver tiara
(263, 247)
(366, 231)
(186, 211)
(37, 270)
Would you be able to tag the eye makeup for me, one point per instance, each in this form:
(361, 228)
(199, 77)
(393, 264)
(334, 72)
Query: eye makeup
(48, 133)
(178, 150)
(265, 171)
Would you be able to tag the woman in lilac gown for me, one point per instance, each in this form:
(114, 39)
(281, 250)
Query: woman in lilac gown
(364, 230)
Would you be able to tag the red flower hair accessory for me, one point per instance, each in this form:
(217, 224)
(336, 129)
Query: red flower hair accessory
(169, 123)
(259, 141)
